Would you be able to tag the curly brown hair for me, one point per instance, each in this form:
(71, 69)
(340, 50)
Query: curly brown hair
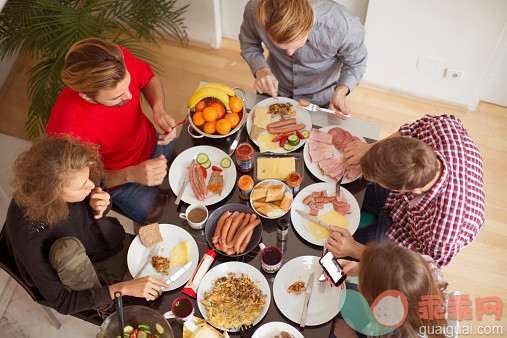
(41, 173)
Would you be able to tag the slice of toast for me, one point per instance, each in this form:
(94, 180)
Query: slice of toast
(150, 234)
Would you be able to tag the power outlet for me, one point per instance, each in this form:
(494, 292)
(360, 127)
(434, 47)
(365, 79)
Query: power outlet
(454, 74)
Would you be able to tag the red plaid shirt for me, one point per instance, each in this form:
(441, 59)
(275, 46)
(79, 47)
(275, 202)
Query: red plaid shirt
(450, 215)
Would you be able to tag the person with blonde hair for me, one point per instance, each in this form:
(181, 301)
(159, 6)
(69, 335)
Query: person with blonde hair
(58, 232)
(387, 266)
(101, 105)
(316, 50)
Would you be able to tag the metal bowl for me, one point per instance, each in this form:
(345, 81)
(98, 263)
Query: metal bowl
(241, 114)
(212, 221)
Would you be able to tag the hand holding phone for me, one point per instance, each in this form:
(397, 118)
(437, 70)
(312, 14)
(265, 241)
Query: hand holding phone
(333, 268)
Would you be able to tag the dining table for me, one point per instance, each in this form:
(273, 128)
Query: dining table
(165, 211)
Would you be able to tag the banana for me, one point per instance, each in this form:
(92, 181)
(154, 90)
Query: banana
(202, 93)
(228, 90)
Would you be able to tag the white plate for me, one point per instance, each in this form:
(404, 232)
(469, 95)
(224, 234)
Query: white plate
(172, 235)
(302, 116)
(314, 167)
(269, 330)
(322, 306)
(275, 182)
(179, 169)
(238, 268)
(300, 223)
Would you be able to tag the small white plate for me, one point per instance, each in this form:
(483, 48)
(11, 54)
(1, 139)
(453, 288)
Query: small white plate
(172, 235)
(222, 270)
(179, 169)
(302, 116)
(275, 182)
(269, 330)
(322, 306)
(300, 223)
(314, 167)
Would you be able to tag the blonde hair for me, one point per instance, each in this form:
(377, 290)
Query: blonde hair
(388, 266)
(92, 65)
(285, 21)
(400, 163)
(41, 173)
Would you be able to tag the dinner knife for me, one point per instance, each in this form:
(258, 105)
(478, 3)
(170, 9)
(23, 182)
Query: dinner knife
(313, 219)
(185, 182)
(178, 273)
(308, 293)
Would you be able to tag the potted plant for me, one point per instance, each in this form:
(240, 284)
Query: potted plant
(46, 29)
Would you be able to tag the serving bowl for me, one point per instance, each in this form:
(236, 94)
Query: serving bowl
(274, 182)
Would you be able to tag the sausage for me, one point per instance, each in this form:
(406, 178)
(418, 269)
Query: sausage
(218, 246)
(282, 123)
(314, 212)
(329, 199)
(319, 205)
(234, 226)
(304, 103)
(323, 193)
(307, 199)
(243, 233)
(246, 221)
(227, 225)
(288, 129)
(317, 193)
(246, 241)
(220, 224)
(230, 252)
(319, 200)
(312, 205)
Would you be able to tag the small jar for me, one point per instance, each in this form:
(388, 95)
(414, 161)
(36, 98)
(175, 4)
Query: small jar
(244, 157)
(294, 181)
(283, 229)
(245, 185)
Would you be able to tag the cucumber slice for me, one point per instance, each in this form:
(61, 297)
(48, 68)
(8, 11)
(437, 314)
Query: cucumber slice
(305, 133)
(288, 147)
(143, 327)
(206, 164)
(202, 158)
(128, 329)
(225, 163)
(160, 328)
(141, 334)
(293, 140)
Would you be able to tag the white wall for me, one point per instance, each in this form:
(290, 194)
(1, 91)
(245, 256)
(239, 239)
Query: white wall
(203, 21)
(458, 34)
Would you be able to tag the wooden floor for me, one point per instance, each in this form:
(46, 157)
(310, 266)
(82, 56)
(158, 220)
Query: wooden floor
(479, 270)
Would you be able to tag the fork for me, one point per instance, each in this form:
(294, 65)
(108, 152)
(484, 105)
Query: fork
(314, 107)
(322, 278)
(246, 331)
(153, 252)
(339, 183)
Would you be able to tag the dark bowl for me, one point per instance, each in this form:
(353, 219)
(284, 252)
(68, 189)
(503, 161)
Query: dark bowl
(212, 221)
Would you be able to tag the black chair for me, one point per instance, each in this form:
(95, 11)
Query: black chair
(8, 264)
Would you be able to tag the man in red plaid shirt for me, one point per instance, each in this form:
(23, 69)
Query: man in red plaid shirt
(426, 190)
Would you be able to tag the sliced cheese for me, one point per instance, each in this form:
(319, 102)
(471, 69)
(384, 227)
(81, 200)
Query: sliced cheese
(179, 255)
(262, 118)
(266, 143)
(275, 168)
(333, 218)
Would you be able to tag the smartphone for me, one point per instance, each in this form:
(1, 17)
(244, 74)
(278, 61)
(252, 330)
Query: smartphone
(333, 268)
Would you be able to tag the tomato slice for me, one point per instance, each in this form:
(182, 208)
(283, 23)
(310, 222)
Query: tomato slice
(204, 171)
(215, 168)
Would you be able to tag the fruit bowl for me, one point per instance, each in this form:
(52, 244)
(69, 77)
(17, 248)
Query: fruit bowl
(238, 119)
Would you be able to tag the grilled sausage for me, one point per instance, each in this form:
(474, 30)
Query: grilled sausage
(234, 226)
(246, 241)
(241, 237)
(288, 129)
(220, 224)
(282, 123)
(227, 225)
(307, 199)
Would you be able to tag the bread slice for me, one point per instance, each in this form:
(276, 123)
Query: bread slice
(260, 191)
(286, 201)
(276, 212)
(275, 193)
(268, 209)
(150, 234)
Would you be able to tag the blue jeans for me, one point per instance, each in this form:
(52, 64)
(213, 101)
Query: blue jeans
(373, 203)
(136, 199)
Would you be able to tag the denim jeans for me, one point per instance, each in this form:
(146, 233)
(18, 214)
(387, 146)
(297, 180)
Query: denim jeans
(136, 199)
(373, 203)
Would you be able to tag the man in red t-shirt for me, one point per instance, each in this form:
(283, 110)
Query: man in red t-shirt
(101, 105)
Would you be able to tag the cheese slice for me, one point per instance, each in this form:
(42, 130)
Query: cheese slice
(262, 118)
(266, 143)
(275, 168)
(179, 255)
(333, 218)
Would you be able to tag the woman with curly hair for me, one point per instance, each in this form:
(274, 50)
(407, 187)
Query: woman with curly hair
(58, 233)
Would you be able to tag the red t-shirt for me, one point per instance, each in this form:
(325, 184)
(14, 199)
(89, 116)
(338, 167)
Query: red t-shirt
(125, 135)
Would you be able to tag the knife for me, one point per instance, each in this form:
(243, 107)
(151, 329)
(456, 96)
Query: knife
(339, 183)
(182, 188)
(313, 219)
(177, 274)
(308, 293)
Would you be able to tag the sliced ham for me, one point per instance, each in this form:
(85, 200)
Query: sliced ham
(352, 174)
(340, 138)
(320, 153)
(332, 167)
(341, 207)
(316, 145)
(320, 136)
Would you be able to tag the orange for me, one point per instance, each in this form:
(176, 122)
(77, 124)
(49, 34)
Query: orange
(235, 104)
(209, 114)
(234, 118)
(224, 126)
(198, 119)
(200, 106)
(219, 106)
(210, 127)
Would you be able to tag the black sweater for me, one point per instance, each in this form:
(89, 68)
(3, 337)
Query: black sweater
(29, 241)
